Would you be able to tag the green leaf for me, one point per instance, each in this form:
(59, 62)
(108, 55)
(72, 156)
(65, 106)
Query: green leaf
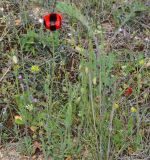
(139, 7)
(19, 121)
(68, 120)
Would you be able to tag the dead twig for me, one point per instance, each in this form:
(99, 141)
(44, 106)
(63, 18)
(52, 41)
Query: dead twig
(8, 69)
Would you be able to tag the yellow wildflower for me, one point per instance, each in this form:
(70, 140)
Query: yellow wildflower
(94, 80)
(79, 49)
(15, 59)
(86, 70)
(78, 100)
(125, 86)
(64, 89)
(123, 67)
(80, 66)
(133, 110)
(16, 67)
(35, 69)
(33, 128)
(141, 62)
(115, 105)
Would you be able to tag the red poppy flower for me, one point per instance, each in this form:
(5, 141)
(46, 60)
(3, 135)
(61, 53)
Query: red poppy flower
(128, 91)
(52, 21)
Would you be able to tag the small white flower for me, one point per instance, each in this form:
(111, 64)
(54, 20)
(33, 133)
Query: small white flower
(112, 75)
(1, 9)
(120, 29)
(40, 20)
(123, 67)
(1, 155)
(147, 39)
(69, 34)
(136, 37)
(29, 107)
